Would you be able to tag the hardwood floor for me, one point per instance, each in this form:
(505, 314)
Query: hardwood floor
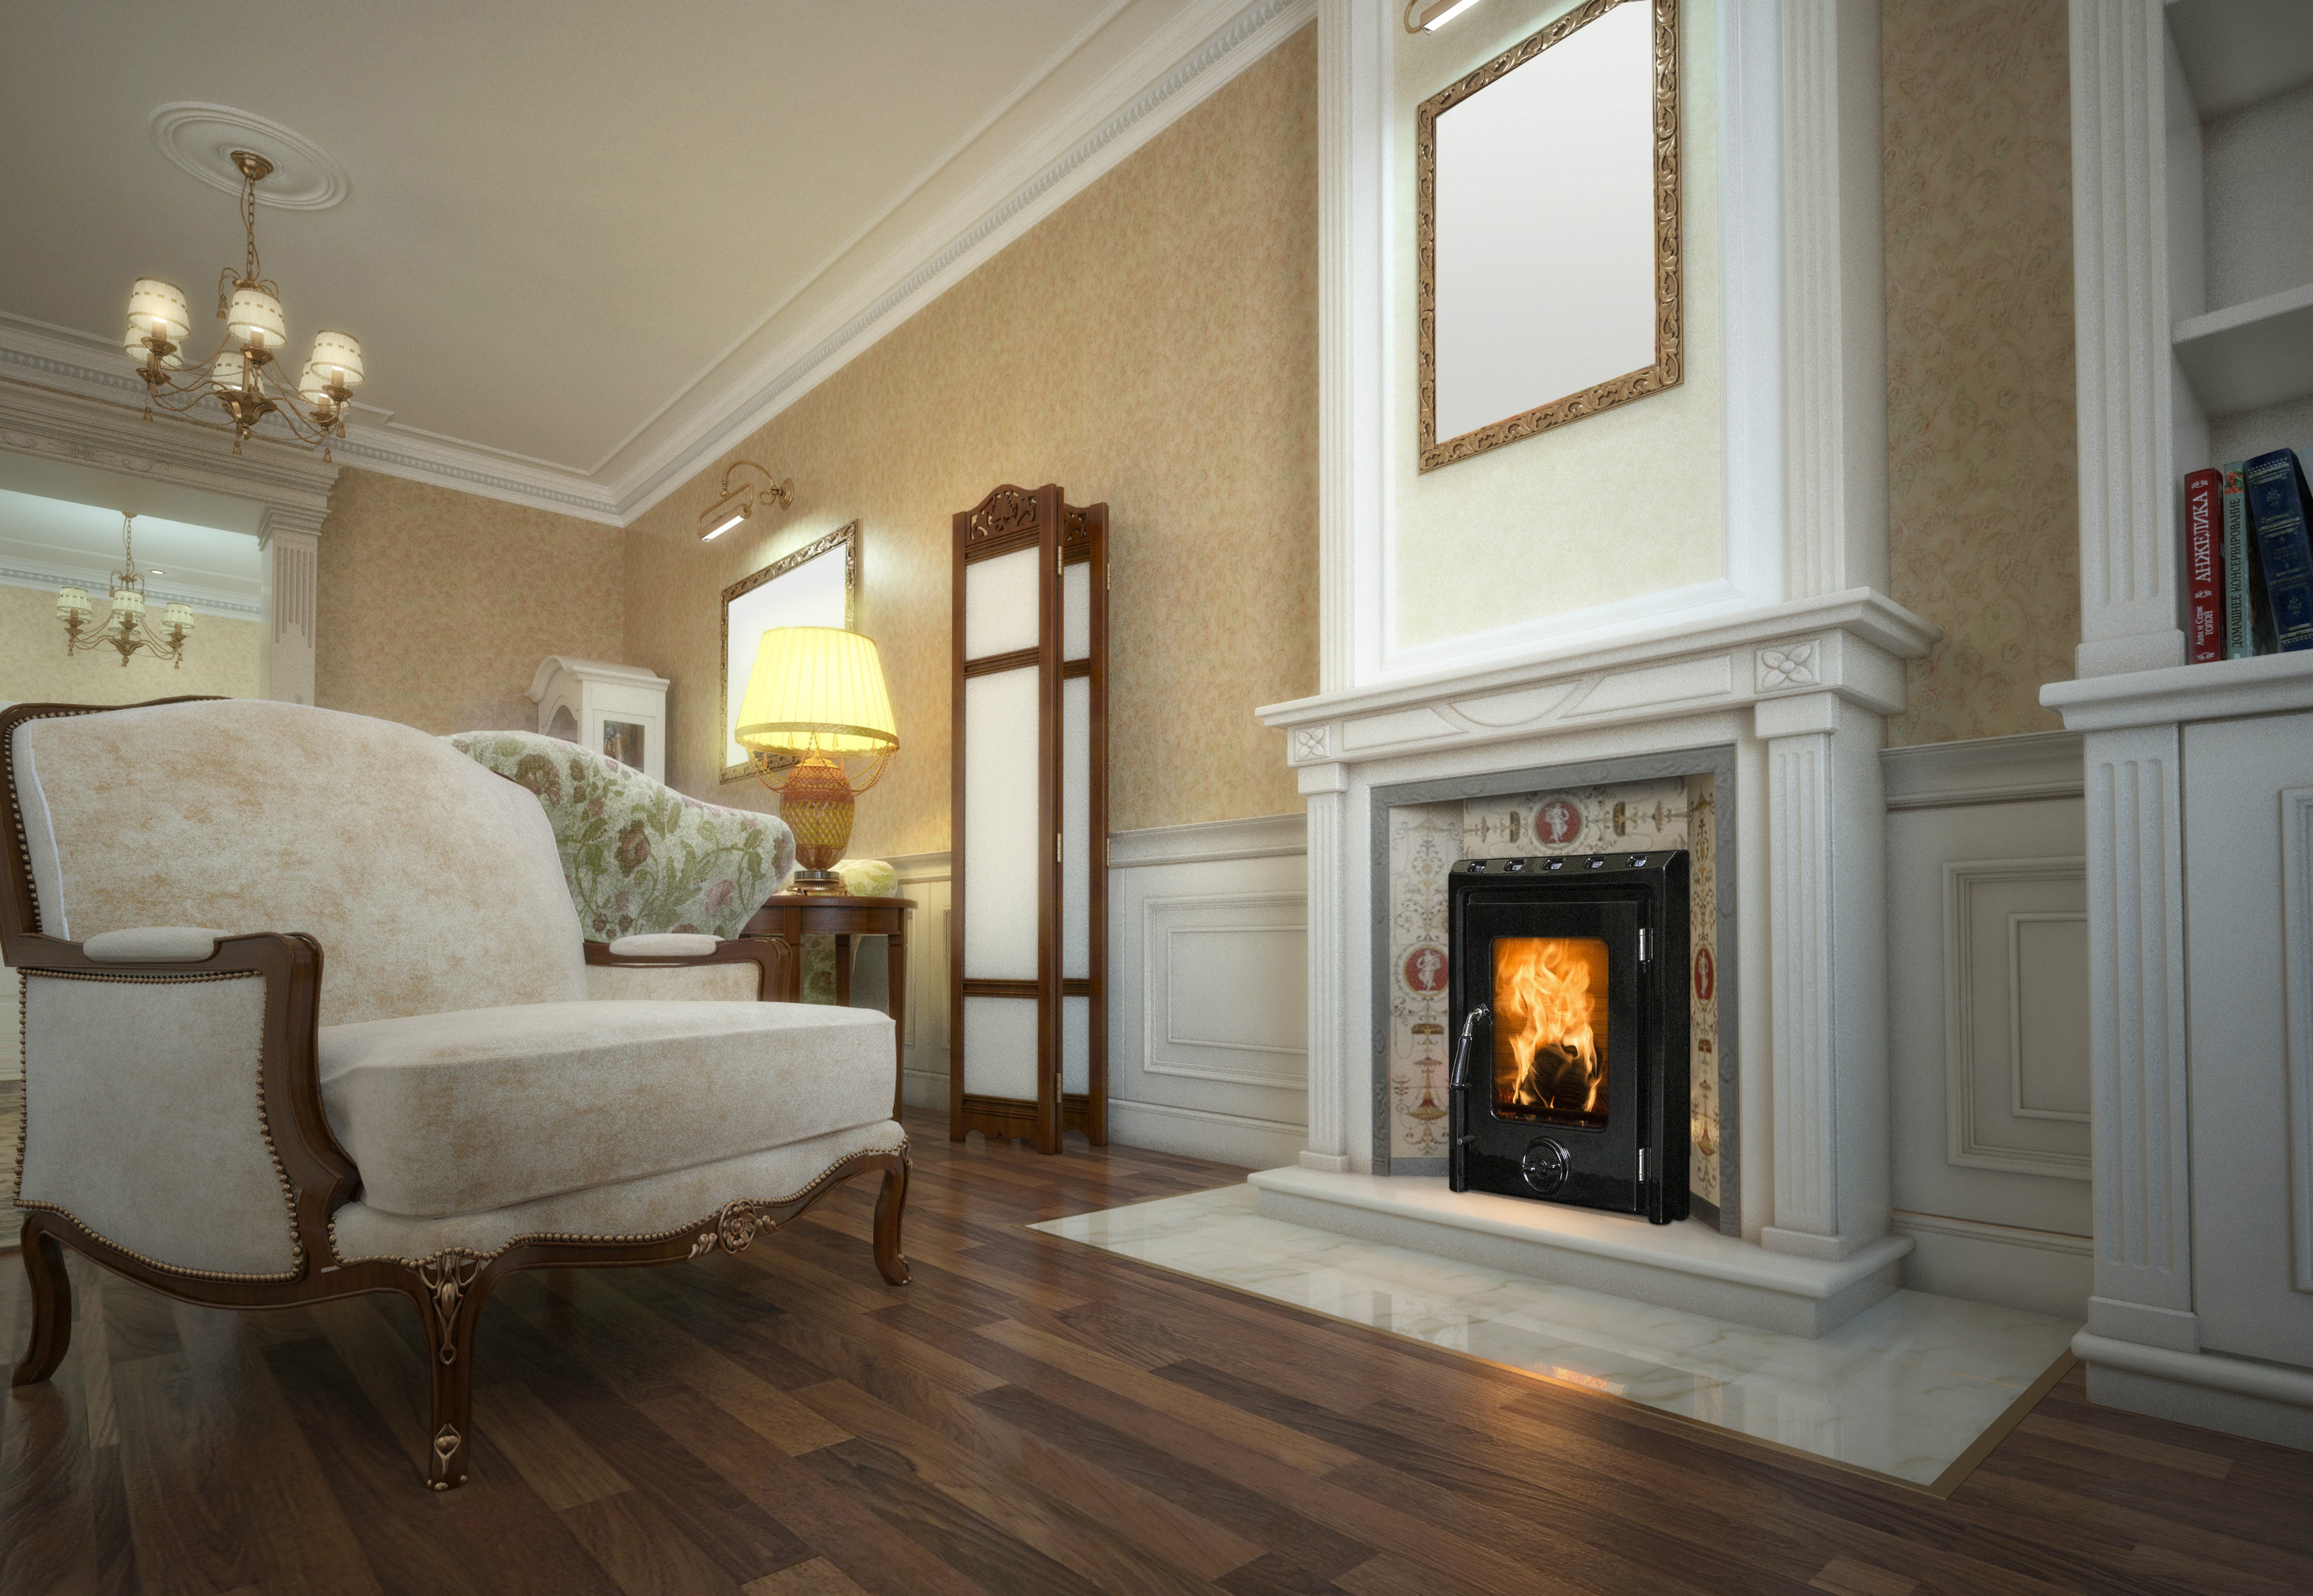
(1028, 1415)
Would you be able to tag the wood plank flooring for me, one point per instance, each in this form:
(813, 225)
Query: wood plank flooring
(1029, 1416)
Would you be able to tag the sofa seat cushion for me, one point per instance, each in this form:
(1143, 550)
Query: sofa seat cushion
(450, 1113)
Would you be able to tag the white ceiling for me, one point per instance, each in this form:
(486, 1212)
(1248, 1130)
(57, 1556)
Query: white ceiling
(574, 228)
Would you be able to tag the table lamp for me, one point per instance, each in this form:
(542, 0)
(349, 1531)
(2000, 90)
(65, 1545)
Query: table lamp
(816, 701)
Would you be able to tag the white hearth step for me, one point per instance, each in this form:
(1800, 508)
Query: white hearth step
(1688, 1266)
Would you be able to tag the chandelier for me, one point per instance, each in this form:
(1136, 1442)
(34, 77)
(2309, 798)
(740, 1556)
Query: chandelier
(126, 629)
(243, 375)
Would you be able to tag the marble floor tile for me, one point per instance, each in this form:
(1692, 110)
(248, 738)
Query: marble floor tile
(1903, 1388)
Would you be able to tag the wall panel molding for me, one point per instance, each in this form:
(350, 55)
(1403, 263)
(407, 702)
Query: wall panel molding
(1215, 966)
(1990, 902)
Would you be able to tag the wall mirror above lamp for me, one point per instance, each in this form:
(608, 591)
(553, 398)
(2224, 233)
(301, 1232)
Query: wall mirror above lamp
(1547, 229)
(817, 585)
(818, 725)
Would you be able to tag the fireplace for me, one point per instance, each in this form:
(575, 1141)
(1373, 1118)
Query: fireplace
(1569, 1081)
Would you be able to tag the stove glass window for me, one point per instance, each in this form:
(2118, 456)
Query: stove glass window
(1550, 1030)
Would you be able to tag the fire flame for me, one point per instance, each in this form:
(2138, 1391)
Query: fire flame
(1544, 1008)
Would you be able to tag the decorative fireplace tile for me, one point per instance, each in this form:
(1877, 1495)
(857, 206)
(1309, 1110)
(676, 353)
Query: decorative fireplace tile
(1905, 1389)
(1620, 817)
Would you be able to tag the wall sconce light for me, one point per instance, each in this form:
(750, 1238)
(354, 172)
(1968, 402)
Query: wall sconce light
(1434, 15)
(737, 505)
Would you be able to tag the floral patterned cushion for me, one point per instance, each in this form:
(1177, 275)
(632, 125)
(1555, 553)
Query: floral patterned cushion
(639, 857)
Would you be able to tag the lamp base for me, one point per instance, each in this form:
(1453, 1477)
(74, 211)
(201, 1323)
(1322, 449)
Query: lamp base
(820, 882)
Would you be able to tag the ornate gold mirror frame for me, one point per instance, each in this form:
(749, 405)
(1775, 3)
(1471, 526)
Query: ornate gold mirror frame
(842, 544)
(1665, 369)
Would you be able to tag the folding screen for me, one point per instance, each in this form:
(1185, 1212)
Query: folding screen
(1028, 984)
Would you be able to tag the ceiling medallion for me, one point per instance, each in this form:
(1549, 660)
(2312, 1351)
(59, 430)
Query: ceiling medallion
(201, 139)
(240, 376)
(126, 629)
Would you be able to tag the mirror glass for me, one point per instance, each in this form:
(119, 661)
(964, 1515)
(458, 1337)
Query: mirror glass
(812, 586)
(1543, 176)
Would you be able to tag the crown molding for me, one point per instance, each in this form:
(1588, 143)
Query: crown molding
(1171, 73)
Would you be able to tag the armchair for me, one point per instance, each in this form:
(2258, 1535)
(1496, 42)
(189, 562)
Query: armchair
(404, 1069)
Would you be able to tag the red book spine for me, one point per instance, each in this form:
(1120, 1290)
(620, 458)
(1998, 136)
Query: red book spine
(2205, 626)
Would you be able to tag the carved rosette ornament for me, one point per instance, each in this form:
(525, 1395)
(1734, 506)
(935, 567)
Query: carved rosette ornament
(735, 1226)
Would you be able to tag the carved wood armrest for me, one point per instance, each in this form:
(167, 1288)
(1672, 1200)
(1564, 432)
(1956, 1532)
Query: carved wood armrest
(770, 959)
(320, 1174)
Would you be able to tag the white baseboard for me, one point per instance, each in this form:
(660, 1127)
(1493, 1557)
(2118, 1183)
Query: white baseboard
(2037, 1271)
(2239, 1396)
(1205, 1134)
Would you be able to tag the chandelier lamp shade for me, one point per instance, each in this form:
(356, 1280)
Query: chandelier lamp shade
(128, 627)
(757, 489)
(245, 376)
(816, 705)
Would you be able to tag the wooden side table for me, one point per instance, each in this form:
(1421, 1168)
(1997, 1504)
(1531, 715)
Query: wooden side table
(791, 916)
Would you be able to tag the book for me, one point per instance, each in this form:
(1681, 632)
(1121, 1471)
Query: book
(2277, 497)
(2240, 573)
(2205, 632)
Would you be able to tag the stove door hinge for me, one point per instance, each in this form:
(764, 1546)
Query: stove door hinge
(1642, 1151)
(1646, 945)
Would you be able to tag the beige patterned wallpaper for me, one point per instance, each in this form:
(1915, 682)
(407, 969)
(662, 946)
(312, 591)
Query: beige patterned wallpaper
(1153, 344)
(436, 606)
(1982, 483)
(221, 658)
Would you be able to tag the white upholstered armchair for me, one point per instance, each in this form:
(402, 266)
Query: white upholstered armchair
(394, 1064)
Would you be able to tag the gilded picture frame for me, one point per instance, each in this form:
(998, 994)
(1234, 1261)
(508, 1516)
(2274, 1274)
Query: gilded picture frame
(1667, 370)
(842, 544)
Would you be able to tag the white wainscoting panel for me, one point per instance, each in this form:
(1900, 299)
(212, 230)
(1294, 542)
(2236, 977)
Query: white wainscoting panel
(1209, 989)
(924, 877)
(1988, 1019)
(2297, 961)
(2014, 978)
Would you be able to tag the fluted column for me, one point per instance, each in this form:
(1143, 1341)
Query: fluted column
(290, 567)
(1827, 972)
(2136, 1036)
(1331, 947)
(2129, 488)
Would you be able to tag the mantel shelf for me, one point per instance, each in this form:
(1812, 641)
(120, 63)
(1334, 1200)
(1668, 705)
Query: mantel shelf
(2247, 357)
(2215, 690)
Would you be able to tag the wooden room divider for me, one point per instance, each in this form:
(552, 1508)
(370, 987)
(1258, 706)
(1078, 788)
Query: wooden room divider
(1028, 953)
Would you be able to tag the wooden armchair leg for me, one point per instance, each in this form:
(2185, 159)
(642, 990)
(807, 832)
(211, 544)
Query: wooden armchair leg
(889, 1203)
(450, 1288)
(44, 1267)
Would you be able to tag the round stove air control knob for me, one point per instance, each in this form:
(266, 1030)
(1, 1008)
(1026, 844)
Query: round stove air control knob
(1544, 1166)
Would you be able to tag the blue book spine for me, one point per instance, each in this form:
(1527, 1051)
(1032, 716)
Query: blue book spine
(2277, 497)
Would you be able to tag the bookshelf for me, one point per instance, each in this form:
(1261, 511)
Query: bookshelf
(2192, 305)
(2239, 200)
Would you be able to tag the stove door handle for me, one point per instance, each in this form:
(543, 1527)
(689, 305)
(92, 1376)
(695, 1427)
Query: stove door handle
(1458, 1077)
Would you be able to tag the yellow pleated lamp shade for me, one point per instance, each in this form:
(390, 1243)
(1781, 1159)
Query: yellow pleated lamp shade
(817, 690)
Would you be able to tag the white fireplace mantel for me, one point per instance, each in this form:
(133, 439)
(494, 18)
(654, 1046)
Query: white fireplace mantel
(1851, 645)
(1794, 666)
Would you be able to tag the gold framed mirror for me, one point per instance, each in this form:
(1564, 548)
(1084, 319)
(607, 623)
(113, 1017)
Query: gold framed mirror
(1547, 231)
(818, 585)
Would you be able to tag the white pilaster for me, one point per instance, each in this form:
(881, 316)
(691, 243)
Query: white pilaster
(2136, 1034)
(2120, 290)
(1835, 300)
(1353, 87)
(1330, 949)
(289, 546)
(1828, 974)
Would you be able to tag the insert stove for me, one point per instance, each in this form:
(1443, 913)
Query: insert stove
(1569, 1073)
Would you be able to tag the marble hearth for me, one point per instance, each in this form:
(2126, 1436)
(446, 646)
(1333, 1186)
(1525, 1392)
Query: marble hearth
(1782, 710)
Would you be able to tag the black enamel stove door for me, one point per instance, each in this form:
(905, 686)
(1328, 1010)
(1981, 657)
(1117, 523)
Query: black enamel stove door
(1559, 1106)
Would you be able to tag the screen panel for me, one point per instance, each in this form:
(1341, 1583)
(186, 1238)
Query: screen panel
(1076, 611)
(1077, 854)
(1002, 837)
(1000, 1046)
(1075, 1046)
(1001, 599)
